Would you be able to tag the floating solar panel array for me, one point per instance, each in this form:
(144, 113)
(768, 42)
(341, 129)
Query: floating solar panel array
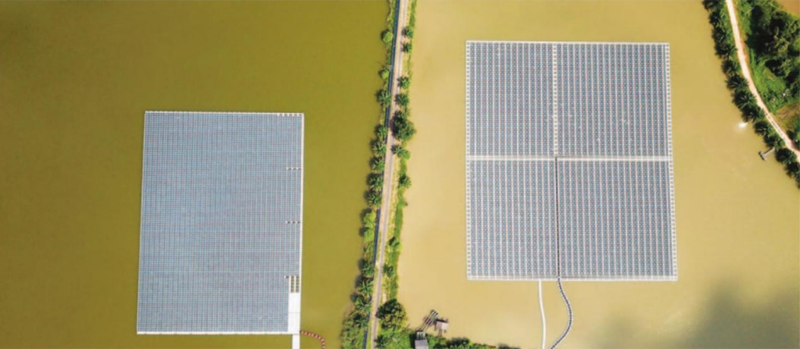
(221, 232)
(569, 162)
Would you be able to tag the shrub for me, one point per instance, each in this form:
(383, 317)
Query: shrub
(404, 181)
(387, 37)
(408, 32)
(388, 270)
(384, 73)
(368, 220)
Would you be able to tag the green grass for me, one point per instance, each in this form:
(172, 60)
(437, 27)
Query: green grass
(773, 89)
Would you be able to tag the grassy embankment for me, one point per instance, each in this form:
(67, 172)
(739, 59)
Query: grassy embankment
(394, 331)
(742, 97)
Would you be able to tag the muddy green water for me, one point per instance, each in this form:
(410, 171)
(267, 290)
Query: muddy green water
(75, 80)
(737, 216)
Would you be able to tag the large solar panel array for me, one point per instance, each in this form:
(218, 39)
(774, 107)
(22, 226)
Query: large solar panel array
(221, 232)
(569, 162)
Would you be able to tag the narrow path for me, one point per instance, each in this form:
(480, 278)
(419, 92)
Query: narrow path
(750, 84)
(386, 203)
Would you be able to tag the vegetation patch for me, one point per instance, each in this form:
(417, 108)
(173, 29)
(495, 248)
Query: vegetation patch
(725, 47)
(773, 40)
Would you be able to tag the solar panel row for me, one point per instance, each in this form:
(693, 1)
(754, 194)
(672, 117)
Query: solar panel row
(220, 232)
(610, 99)
(512, 103)
(515, 197)
(614, 219)
(569, 142)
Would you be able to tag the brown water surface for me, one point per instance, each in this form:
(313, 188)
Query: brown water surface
(737, 216)
(793, 6)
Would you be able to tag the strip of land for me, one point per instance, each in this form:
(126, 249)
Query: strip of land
(388, 183)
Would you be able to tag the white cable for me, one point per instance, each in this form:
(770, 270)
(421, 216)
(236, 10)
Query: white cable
(544, 321)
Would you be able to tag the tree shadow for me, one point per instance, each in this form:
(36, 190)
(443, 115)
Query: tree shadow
(724, 322)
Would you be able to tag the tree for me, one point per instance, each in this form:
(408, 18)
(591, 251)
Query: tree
(379, 147)
(392, 315)
(736, 81)
(401, 152)
(731, 67)
(744, 99)
(773, 140)
(378, 164)
(400, 114)
(384, 98)
(401, 99)
(387, 37)
(793, 169)
(403, 129)
(382, 132)
(407, 47)
(375, 181)
(374, 198)
(364, 287)
(785, 156)
(761, 127)
(385, 341)
(367, 268)
(404, 82)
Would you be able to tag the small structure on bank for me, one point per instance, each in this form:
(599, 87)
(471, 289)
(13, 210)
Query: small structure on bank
(442, 325)
(421, 342)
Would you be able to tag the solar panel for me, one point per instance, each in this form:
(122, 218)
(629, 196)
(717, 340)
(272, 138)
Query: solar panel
(518, 198)
(569, 161)
(511, 100)
(615, 220)
(221, 231)
(612, 99)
